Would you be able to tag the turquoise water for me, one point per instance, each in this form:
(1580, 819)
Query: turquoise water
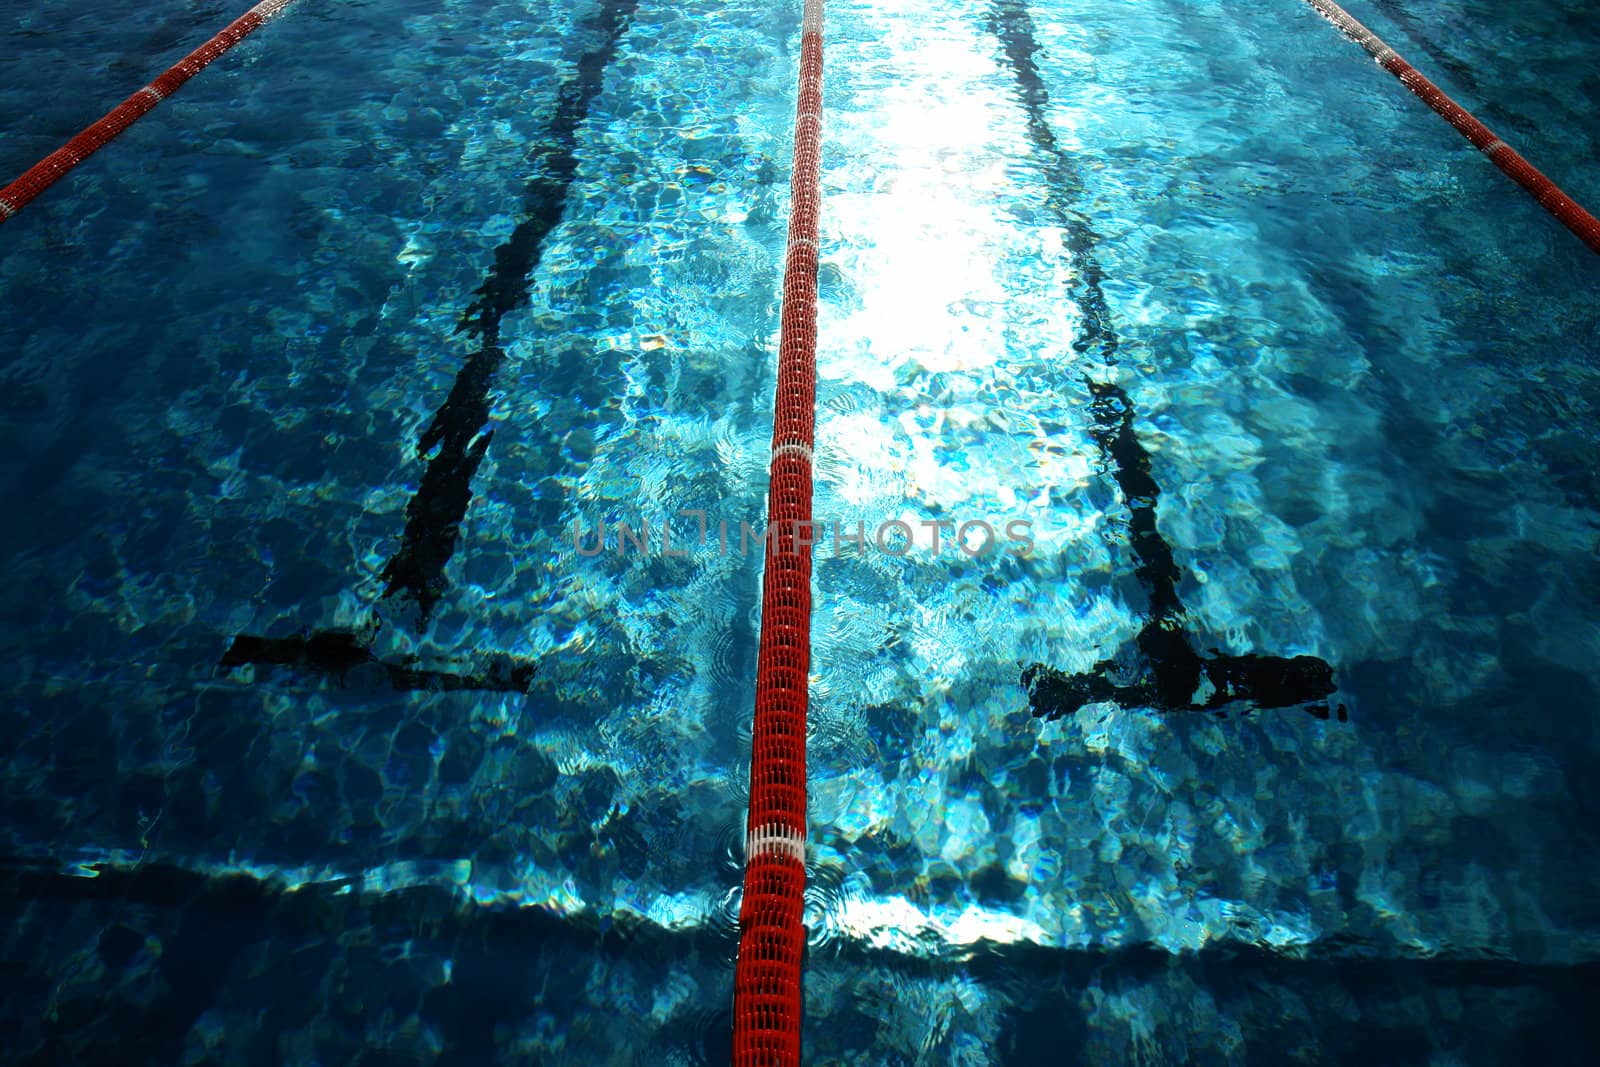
(1360, 365)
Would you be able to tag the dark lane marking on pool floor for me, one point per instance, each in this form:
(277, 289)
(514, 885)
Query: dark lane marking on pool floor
(460, 428)
(338, 652)
(1170, 675)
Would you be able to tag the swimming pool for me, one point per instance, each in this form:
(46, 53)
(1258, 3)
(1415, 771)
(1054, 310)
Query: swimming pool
(268, 350)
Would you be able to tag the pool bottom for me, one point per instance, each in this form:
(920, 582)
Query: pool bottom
(161, 965)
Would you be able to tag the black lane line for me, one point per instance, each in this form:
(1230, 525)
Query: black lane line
(1170, 674)
(338, 652)
(460, 430)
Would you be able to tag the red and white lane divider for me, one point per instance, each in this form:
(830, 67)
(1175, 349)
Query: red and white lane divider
(767, 1001)
(49, 170)
(1566, 210)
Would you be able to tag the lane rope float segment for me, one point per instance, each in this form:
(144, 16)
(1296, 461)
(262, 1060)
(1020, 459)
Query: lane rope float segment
(767, 998)
(1566, 210)
(53, 168)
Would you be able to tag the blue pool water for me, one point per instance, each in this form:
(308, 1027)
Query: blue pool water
(260, 355)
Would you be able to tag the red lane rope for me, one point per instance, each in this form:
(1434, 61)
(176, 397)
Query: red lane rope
(53, 167)
(767, 999)
(1566, 210)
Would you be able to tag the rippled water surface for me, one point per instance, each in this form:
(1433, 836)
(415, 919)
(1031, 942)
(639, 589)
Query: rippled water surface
(335, 729)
